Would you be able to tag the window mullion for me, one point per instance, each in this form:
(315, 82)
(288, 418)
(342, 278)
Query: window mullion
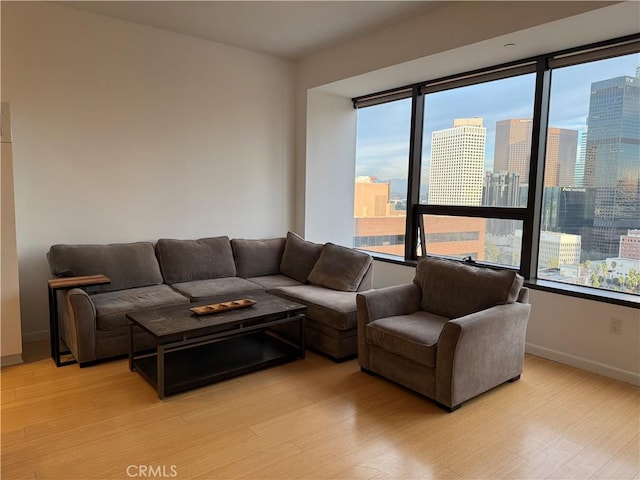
(531, 226)
(413, 182)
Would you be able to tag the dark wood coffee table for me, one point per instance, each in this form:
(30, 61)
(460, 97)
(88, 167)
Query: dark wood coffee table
(194, 350)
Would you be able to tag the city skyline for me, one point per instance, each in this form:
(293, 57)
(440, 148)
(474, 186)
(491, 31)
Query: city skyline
(591, 196)
(383, 131)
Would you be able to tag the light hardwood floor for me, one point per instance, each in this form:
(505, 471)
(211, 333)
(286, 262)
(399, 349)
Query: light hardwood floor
(313, 419)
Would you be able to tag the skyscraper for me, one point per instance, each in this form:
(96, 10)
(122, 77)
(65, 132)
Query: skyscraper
(562, 146)
(513, 151)
(513, 147)
(612, 161)
(578, 180)
(457, 163)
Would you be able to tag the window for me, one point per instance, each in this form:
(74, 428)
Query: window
(533, 165)
(382, 162)
(591, 197)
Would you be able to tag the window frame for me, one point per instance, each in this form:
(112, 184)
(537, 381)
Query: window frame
(530, 214)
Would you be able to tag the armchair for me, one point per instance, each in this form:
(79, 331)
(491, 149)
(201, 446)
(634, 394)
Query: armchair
(457, 331)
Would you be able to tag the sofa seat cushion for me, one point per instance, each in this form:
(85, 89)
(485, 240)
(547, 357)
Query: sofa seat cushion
(257, 258)
(112, 307)
(413, 336)
(454, 289)
(329, 307)
(234, 287)
(189, 260)
(128, 265)
(340, 268)
(274, 281)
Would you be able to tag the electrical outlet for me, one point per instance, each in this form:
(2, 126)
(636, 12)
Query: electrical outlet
(616, 326)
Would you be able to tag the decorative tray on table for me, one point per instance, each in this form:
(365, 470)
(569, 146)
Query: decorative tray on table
(223, 306)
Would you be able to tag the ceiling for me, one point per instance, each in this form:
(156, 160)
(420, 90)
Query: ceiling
(289, 29)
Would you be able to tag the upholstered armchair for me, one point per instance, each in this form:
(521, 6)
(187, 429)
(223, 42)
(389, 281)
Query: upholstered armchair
(457, 331)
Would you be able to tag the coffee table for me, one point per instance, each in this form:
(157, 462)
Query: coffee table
(194, 350)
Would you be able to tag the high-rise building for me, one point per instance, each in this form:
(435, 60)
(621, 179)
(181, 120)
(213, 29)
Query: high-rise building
(513, 151)
(501, 189)
(513, 147)
(612, 161)
(562, 147)
(569, 210)
(579, 170)
(457, 163)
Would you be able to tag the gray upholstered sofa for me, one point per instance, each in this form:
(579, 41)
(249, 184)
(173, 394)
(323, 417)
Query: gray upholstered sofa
(325, 277)
(457, 331)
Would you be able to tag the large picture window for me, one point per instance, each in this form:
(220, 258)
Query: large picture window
(591, 198)
(534, 166)
(382, 166)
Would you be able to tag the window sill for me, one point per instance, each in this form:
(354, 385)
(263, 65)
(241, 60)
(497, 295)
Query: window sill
(589, 293)
(597, 295)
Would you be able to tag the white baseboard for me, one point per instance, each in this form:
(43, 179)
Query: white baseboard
(14, 359)
(35, 336)
(584, 364)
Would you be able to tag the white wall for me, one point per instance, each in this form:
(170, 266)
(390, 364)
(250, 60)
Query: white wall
(577, 332)
(331, 128)
(123, 132)
(571, 330)
(10, 324)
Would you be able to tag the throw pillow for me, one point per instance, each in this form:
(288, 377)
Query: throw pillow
(299, 257)
(340, 268)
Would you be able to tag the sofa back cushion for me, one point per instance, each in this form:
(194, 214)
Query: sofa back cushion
(453, 289)
(340, 268)
(257, 258)
(128, 265)
(189, 260)
(299, 257)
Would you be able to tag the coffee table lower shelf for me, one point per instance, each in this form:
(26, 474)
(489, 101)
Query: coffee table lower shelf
(212, 362)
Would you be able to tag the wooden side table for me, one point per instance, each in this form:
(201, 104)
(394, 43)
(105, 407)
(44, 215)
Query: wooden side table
(65, 283)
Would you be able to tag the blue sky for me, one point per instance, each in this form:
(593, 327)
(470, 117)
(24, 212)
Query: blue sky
(383, 131)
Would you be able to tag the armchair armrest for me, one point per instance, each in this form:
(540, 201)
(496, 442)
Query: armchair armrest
(384, 302)
(388, 302)
(79, 325)
(480, 351)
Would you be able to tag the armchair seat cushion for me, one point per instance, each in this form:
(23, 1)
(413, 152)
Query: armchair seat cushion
(414, 336)
(112, 307)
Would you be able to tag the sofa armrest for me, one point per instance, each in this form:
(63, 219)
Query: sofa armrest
(79, 325)
(480, 351)
(384, 302)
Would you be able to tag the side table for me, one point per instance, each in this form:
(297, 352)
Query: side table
(65, 283)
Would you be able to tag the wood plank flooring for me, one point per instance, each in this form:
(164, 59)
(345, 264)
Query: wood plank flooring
(313, 419)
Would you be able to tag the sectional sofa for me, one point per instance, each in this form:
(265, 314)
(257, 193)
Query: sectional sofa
(324, 277)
